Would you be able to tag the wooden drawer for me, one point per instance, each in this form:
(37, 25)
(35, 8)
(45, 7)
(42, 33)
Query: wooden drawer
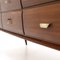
(27, 3)
(12, 21)
(7, 5)
(33, 17)
(0, 21)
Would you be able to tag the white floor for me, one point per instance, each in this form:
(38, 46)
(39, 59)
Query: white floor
(14, 48)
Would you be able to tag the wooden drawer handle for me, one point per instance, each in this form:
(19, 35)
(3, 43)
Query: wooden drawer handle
(44, 25)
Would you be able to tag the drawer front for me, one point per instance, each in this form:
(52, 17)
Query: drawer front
(35, 17)
(12, 21)
(27, 3)
(0, 21)
(7, 5)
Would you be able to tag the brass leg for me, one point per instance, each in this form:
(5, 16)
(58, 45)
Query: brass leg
(26, 42)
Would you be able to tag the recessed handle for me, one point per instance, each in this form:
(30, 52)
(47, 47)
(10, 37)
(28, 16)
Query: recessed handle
(9, 21)
(44, 25)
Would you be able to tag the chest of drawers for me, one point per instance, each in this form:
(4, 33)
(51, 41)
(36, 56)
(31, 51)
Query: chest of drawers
(34, 20)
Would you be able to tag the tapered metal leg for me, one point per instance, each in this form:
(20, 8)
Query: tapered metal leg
(26, 42)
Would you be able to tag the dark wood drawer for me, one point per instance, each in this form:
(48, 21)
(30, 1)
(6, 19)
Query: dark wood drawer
(27, 3)
(33, 17)
(7, 5)
(0, 21)
(12, 21)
